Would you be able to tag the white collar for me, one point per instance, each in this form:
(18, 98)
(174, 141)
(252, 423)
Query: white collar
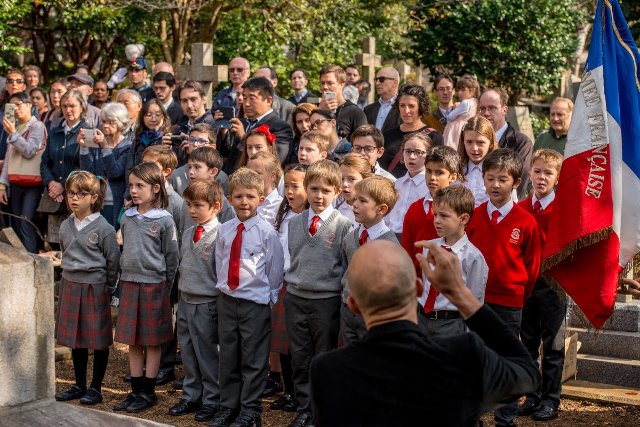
(504, 209)
(324, 215)
(257, 119)
(390, 101)
(208, 226)
(153, 213)
(501, 131)
(375, 230)
(545, 201)
(457, 247)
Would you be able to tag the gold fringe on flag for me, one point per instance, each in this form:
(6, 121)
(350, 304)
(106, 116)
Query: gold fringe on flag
(577, 244)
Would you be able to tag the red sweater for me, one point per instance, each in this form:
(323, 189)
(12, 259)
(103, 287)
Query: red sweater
(417, 225)
(512, 251)
(542, 218)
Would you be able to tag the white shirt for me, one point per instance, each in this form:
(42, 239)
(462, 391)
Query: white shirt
(302, 94)
(168, 104)
(345, 209)
(475, 182)
(210, 225)
(383, 112)
(501, 131)
(504, 209)
(323, 216)
(151, 213)
(474, 272)
(409, 190)
(445, 112)
(545, 201)
(261, 260)
(382, 172)
(269, 206)
(374, 231)
(257, 119)
(82, 223)
(283, 234)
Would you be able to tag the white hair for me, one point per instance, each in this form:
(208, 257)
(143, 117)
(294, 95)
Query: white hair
(136, 96)
(118, 113)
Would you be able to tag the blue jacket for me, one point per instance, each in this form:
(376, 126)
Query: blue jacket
(62, 154)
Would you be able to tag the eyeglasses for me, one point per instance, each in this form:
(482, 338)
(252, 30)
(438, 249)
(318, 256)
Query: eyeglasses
(79, 195)
(490, 108)
(315, 124)
(19, 81)
(418, 153)
(152, 115)
(18, 103)
(198, 141)
(363, 149)
(237, 70)
(383, 79)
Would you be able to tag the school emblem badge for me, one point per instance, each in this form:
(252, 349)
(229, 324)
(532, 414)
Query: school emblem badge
(515, 235)
(208, 249)
(331, 237)
(154, 227)
(93, 238)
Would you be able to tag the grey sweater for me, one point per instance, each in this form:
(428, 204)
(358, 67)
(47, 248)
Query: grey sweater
(150, 251)
(317, 265)
(350, 246)
(90, 255)
(175, 209)
(198, 278)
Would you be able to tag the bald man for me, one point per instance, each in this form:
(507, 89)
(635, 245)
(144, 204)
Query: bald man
(397, 376)
(239, 71)
(164, 67)
(381, 114)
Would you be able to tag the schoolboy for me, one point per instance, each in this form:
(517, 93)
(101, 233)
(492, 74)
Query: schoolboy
(452, 209)
(544, 311)
(249, 266)
(313, 147)
(197, 313)
(507, 235)
(312, 301)
(375, 196)
(369, 141)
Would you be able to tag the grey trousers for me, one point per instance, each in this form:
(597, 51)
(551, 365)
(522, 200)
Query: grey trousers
(353, 327)
(198, 337)
(244, 328)
(313, 326)
(445, 328)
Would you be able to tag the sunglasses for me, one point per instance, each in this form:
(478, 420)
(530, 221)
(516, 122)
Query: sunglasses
(383, 79)
(236, 70)
(19, 81)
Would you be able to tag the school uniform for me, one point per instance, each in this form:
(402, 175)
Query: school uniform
(175, 208)
(409, 189)
(197, 315)
(244, 314)
(378, 170)
(418, 225)
(90, 262)
(353, 327)
(148, 267)
(268, 209)
(345, 209)
(442, 317)
(474, 181)
(226, 213)
(312, 302)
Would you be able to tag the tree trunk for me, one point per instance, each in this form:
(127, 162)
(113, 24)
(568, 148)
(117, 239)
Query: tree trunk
(166, 52)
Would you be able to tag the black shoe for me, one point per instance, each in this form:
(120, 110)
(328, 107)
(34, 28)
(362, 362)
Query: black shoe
(177, 384)
(284, 403)
(247, 420)
(143, 402)
(207, 412)
(528, 408)
(545, 413)
(165, 377)
(91, 397)
(303, 419)
(271, 388)
(184, 407)
(122, 406)
(75, 392)
(224, 417)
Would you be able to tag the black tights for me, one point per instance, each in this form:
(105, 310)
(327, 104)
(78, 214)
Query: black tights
(80, 358)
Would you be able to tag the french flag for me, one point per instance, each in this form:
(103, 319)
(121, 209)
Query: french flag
(595, 228)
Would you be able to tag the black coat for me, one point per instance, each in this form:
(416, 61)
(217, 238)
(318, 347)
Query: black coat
(522, 145)
(392, 120)
(278, 127)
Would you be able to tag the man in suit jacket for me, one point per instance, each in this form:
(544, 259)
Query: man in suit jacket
(281, 106)
(164, 84)
(381, 114)
(396, 375)
(299, 84)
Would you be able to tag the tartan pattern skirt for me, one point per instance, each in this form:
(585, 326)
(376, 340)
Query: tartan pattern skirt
(84, 315)
(279, 339)
(144, 316)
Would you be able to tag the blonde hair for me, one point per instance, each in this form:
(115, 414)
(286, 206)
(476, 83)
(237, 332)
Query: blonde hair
(484, 128)
(163, 155)
(246, 178)
(327, 170)
(548, 155)
(204, 189)
(380, 189)
(357, 162)
(456, 197)
(271, 163)
(317, 138)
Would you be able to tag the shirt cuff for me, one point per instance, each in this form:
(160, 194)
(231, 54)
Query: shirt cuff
(84, 151)
(106, 151)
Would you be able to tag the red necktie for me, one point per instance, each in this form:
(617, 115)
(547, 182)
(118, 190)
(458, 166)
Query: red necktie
(537, 206)
(198, 234)
(433, 293)
(363, 237)
(313, 228)
(233, 276)
(494, 217)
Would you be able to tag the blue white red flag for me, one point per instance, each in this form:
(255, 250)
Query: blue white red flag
(595, 228)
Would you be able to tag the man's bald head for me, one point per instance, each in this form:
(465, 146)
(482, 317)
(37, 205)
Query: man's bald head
(382, 280)
(239, 70)
(387, 82)
(163, 67)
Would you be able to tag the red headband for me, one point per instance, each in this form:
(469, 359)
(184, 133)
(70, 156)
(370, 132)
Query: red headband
(264, 129)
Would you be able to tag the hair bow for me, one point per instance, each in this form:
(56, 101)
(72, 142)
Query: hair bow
(264, 129)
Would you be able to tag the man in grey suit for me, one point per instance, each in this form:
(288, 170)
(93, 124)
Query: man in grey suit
(281, 106)
(381, 114)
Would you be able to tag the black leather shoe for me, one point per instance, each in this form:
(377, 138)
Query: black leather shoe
(143, 402)
(74, 392)
(122, 406)
(224, 417)
(177, 384)
(545, 413)
(303, 419)
(91, 397)
(165, 377)
(184, 407)
(127, 378)
(271, 388)
(247, 420)
(284, 403)
(206, 413)
(528, 408)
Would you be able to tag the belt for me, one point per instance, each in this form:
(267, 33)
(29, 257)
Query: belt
(443, 315)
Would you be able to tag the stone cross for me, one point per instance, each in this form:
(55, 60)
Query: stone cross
(202, 70)
(369, 61)
(404, 70)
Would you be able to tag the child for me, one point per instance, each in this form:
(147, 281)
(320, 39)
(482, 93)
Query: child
(411, 186)
(312, 302)
(354, 168)
(442, 168)
(197, 312)
(148, 267)
(313, 147)
(368, 140)
(544, 311)
(468, 90)
(476, 141)
(90, 257)
(268, 166)
(249, 262)
(294, 203)
(374, 197)
(507, 236)
(258, 139)
(452, 210)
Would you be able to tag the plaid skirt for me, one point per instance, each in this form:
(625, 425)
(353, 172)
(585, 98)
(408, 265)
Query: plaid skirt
(84, 315)
(144, 316)
(279, 339)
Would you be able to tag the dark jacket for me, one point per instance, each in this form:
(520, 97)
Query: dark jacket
(62, 154)
(278, 127)
(397, 376)
(393, 141)
(522, 145)
(283, 108)
(392, 120)
(349, 118)
(175, 112)
(185, 127)
(304, 99)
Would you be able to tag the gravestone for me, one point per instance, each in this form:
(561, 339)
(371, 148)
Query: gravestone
(519, 118)
(202, 70)
(404, 70)
(369, 61)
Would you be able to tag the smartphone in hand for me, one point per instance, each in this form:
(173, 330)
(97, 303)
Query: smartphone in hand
(10, 112)
(89, 138)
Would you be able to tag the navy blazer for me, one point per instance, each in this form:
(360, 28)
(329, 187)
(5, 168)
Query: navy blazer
(62, 154)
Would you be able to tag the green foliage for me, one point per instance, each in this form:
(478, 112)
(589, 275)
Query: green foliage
(539, 122)
(631, 10)
(520, 45)
(9, 38)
